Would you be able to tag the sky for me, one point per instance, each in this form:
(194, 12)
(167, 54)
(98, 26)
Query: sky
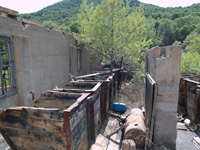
(29, 6)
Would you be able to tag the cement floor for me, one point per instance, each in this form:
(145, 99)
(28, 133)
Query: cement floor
(184, 140)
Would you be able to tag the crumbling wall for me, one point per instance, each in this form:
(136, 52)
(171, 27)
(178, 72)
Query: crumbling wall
(163, 64)
(42, 59)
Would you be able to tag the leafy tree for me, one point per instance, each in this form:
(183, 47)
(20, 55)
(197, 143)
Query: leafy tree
(50, 24)
(190, 62)
(74, 27)
(113, 31)
(165, 32)
(183, 32)
(195, 45)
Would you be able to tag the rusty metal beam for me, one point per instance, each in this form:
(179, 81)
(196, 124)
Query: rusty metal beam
(91, 124)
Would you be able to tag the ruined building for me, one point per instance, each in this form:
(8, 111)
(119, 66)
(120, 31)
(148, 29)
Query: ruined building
(35, 58)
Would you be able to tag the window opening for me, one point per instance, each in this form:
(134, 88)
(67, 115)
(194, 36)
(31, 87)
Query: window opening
(79, 59)
(7, 80)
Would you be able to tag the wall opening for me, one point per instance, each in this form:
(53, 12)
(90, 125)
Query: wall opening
(7, 77)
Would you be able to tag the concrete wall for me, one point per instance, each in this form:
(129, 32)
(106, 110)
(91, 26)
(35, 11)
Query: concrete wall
(42, 59)
(164, 67)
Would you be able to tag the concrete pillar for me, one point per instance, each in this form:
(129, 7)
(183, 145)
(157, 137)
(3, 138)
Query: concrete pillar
(164, 67)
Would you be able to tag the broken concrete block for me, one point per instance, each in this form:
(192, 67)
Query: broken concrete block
(128, 145)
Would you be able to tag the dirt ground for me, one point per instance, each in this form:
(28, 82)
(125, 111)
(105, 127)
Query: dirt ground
(132, 94)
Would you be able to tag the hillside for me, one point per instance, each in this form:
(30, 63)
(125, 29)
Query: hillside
(64, 13)
(165, 25)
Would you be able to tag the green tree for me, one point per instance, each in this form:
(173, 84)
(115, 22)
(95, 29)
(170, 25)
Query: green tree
(183, 32)
(74, 27)
(50, 24)
(190, 62)
(112, 30)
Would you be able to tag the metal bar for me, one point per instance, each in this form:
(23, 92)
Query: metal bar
(33, 95)
(2, 83)
(151, 80)
(191, 81)
(185, 94)
(105, 99)
(153, 113)
(198, 91)
(67, 129)
(91, 123)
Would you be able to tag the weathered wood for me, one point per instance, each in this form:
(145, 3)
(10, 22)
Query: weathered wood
(115, 140)
(104, 143)
(117, 130)
(136, 129)
(27, 144)
(60, 104)
(54, 99)
(80, 87)
(56, 127)
(25, 126)
(22, 119)
(44, 136)
(99, 74)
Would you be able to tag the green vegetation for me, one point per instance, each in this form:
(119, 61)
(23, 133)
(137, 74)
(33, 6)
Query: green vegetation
(112, 30)
(165, 26)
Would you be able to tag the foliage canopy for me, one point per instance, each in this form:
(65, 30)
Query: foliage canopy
(113, 30)
(164, 25)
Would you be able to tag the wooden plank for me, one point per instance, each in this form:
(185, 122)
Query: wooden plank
(56, 103)
(36, 113)
(115, 141)
(26, 144)
(55, 99)
(44, 136)
(102, 142)
(21, 119)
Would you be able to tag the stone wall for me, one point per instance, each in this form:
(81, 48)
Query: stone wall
(163, 64)
(42, 59)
